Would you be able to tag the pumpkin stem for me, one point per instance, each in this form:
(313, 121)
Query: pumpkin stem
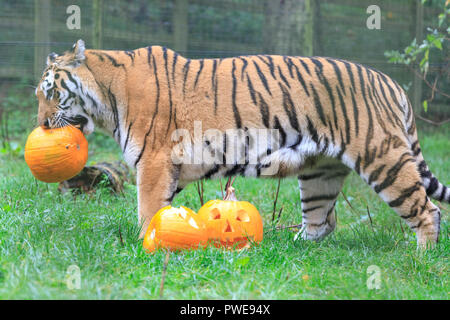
(229, 191)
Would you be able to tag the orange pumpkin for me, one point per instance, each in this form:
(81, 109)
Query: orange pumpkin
(231, 223)
(174, 229)
(55, 155)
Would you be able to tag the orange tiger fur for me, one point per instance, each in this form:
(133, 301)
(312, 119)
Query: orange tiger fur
(331, 116)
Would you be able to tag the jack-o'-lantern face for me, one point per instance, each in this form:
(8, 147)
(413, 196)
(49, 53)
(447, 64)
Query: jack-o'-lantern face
(231, 223)
(174, 229)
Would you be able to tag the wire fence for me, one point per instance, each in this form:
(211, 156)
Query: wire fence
(30, 29)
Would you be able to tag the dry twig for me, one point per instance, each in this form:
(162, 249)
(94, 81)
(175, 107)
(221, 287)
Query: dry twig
(163, 276)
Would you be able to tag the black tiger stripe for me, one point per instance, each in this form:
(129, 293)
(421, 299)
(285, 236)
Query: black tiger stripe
(251, 90)
(169, 89)
(214, 84)
(387, 109)
(128, 136)
(312, 131)
(113, 61)
(237, 116)
(318, 105)
(185, 74)
(300, 78)
(149, 55)
(264, 109)
(269, 64)
(358, 164)
(443, 192)
(262, 77)
(406, 193)
(376, 173)
(325, 82)
(99, 56)
(432, 186)
(320, 198)
(244, 66)
(277, 126)
(311, 209)
(387, 103)
(330, 127)
(70, 77)
(131, 55)
(311, 176)
(337, 71)
(211, 171)
(392, 93)
(289, 108)
(69, 95)
(305, 66)
(348, 67)
(344, 113)
(283, 78)
(198, 73)
(113, 103)
(392, 173)
(174, 63)
(355, 113)
(289, 65)
(318, 64)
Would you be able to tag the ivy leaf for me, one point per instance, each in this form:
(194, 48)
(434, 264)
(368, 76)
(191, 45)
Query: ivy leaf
(438, 44)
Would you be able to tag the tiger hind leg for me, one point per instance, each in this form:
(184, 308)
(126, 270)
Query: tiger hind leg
(396, 179)
(319, 188)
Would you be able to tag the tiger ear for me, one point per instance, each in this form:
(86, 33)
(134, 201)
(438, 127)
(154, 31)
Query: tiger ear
(78, 50)
(51, 58)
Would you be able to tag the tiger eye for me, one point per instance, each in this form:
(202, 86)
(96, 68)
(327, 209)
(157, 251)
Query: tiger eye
(57, 76)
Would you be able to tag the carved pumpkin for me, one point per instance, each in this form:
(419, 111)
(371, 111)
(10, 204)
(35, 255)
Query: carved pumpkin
(231, 223)
(174, 229)
(55, 155)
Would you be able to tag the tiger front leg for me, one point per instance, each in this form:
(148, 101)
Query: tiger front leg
(157, 180)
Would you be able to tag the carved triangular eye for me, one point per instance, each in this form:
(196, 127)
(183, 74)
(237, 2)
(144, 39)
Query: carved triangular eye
(228, 227)
(214, 214)
(242, 216)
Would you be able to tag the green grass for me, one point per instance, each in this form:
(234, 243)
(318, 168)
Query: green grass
(43, 232)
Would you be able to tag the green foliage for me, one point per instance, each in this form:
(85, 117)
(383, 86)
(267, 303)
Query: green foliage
(435, 39)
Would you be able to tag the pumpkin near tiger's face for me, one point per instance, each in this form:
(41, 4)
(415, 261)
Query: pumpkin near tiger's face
(55, 155)
(231, 223)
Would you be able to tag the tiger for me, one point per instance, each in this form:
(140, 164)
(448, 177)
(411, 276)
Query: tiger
(331, 116)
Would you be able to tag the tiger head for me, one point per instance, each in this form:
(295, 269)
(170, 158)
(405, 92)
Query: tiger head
(62, 91)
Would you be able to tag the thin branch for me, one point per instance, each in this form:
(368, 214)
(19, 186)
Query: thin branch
(163, 276)
(221, 188)
(298, 226)
(276, 200)
(348, 202)
(437, 124)
(403, 231)
(279, 214)
(370, 218)
(120, 237)
(420, 76)
(200, 191)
